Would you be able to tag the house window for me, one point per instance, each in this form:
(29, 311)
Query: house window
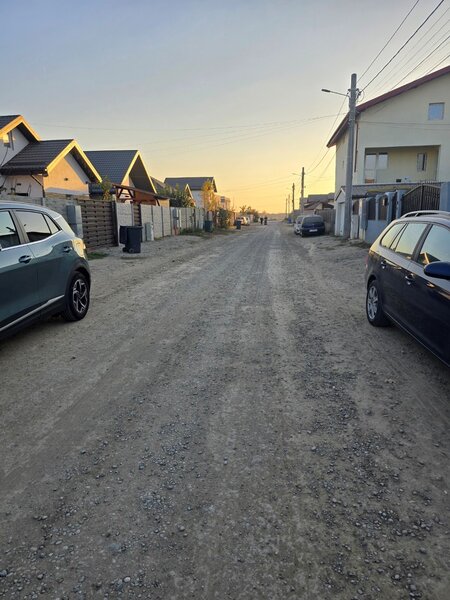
(371, 162)
(382, 160)
(422, 161)
(436, 111)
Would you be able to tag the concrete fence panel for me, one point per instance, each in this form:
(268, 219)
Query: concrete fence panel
(157, 222)
(167, 221)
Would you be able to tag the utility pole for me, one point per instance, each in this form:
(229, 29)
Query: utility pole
(293, 197)
(302, 196)
(352, 97)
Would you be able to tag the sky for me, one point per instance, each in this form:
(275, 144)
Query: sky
(223, 88)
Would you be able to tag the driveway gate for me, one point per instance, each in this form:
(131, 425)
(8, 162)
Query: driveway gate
(424, 197)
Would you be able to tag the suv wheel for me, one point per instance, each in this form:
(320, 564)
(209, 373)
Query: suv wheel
(374, 310)
(77, 298)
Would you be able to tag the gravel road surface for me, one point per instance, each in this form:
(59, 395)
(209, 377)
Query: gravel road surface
(224, 424)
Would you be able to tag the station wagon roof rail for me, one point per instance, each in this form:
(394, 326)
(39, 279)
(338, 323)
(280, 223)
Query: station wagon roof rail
(424, 213)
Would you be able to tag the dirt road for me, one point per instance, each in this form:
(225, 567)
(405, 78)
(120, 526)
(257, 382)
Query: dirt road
(224, 424)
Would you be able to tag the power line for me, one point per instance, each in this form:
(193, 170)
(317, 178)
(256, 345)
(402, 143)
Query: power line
(421, 62)
(310, 169)
(389, 40)
(405, 44)
(411, 56)
(438, 64)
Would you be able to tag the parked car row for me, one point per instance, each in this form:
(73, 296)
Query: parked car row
(309, 225)
(408, 279)
(43, 267)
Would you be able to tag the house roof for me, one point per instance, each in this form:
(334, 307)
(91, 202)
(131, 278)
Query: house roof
(39, 158)
(372, 189)
(116, 165)
(159, 186)
(9, 122)
(387, 96)
(194, 183)
(316, 203)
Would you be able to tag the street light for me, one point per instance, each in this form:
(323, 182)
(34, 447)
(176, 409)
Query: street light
(352, 95)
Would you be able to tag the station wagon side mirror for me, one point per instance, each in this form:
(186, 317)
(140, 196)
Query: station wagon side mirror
(438, 269)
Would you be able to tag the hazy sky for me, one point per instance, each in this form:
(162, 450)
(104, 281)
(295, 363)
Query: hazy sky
(229, 88)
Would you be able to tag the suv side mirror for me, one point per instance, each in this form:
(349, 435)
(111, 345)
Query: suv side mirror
(438, 269)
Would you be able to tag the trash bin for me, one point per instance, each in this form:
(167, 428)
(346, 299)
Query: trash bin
(208, 226)
(238, 223)
(131, 236)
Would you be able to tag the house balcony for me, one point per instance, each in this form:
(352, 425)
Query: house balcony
(401, 164)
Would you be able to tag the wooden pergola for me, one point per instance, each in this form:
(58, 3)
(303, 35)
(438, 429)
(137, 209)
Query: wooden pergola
(137, 196)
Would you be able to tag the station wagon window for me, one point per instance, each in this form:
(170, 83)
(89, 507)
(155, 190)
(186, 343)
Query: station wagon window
(436, 111)
(436, 246)
(8, 232)
(407, 240)
(35, 225)
(391, 234)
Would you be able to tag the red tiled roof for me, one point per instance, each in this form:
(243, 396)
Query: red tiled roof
(387, 96)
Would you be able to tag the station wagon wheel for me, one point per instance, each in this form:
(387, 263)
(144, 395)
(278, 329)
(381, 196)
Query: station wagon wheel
(77, 298)
(374, 309)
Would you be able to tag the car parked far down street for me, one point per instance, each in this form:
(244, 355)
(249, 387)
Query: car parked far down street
(43, 267)
(408, 279)
(311, 225)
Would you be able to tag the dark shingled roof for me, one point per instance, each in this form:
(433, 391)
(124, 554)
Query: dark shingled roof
(195, 183)
(159, 185)
(5, 120)
(113, 164)
(34, 158)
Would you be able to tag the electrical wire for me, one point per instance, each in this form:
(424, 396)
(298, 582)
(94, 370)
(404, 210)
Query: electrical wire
(405, 44)
(421, 62)
(411, 56)
(390, 39)
(325, 170)
(438, 64)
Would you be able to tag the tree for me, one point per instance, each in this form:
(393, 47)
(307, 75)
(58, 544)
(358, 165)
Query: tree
(243, 209)
(106, 186)
(208, 196)
(177, 197)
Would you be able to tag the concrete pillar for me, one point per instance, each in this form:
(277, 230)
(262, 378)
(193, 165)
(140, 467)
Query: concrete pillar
(398, 210)
(378, 198)
(74, 219)
(444, 203)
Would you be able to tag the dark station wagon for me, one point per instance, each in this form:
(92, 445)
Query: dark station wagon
(408, 279)
(43, 267)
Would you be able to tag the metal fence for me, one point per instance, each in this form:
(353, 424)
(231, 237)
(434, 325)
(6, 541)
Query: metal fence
(423, 197)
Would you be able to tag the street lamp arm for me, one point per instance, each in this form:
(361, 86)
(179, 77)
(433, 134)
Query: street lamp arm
(332, 92)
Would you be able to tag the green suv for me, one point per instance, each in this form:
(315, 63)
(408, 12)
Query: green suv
(43, 267)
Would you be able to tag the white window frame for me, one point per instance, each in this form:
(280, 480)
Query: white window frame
(422, 160)
(435, 113)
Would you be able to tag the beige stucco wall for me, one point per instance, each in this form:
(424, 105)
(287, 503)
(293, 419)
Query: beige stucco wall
(402, 122)
(67, 168)
(402, 163)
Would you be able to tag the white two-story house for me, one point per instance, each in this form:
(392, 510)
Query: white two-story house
(402, 136)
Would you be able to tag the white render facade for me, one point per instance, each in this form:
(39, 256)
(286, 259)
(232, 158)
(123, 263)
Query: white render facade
(405, 138)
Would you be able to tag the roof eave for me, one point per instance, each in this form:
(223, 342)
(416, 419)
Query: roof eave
(17, 122)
